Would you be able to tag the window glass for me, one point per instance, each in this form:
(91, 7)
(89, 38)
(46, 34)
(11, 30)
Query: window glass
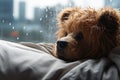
(35, 20)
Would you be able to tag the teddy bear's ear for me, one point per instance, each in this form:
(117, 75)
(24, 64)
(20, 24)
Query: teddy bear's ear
(108, 20)
(65, 16)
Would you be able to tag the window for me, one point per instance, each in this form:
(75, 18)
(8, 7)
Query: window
(35, 20)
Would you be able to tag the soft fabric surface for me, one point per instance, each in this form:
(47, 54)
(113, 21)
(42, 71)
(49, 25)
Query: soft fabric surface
(19, 62)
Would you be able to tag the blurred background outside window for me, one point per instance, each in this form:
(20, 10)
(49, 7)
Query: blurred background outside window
(35, 20)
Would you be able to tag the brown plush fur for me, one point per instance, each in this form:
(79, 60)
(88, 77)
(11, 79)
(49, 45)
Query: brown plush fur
(87, 33)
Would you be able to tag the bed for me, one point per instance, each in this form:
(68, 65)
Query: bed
(35, 62)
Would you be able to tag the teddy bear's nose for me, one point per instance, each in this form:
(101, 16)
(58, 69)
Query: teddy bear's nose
(61, 45)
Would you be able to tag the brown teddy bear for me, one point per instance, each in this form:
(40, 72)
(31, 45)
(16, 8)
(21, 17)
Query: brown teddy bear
(86, 33)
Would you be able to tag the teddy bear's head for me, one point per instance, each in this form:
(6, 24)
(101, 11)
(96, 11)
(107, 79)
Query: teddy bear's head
(86, 33)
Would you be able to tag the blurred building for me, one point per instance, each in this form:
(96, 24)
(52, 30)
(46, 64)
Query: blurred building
(22, 7)
(37, 14)
(6, 10)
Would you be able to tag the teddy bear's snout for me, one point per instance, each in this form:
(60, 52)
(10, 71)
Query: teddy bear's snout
(61, 45)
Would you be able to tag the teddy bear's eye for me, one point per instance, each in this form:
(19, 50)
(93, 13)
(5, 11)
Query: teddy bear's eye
(79, 36)
(66, 34)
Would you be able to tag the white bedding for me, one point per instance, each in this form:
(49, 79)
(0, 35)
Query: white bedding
(19, 62)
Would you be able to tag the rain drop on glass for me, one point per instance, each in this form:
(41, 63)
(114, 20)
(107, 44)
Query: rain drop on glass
(17, 38)
(24, 27)
(3, 21)
(26, 34)
(10, 23)
(13, 27)
(41, 31)
(40, 19)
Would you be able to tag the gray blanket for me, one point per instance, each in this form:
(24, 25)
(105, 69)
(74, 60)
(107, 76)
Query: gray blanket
(35, 62)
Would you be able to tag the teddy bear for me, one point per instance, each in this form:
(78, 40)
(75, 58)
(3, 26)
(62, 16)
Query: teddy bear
(86, 33)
